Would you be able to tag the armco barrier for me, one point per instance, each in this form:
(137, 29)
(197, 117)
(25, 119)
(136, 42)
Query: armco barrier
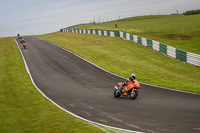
(112, 33)
(149, 43)
(139, 40)
(127, 36)
(105, 33)
(135, 38)
(171, 51)
(131, 38)
(187, 57)
(163, 48)
(181, 55)
(121, 34)
(124, 35)
(144, 41)
(102, 32)
(117, 34)
(156, 45)
(193, 59)
(108, 33)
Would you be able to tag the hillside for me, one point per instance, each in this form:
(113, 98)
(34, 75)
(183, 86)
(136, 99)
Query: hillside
(182, 32)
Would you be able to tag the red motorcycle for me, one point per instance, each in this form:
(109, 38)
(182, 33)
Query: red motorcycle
(24, 45)
(130, 90)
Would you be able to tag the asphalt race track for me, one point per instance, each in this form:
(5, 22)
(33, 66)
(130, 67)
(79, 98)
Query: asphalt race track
(87, 91)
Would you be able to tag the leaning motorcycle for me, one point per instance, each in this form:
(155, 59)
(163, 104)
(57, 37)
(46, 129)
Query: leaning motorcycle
(131, 89)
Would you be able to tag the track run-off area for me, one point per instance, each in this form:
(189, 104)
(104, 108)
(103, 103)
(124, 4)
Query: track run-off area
(87, 91)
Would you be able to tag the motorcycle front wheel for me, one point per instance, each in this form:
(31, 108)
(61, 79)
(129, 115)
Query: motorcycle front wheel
(117, 93)
(133, 94)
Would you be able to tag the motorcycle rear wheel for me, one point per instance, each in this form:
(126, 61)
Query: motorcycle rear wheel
(117, 93)
(133, 94)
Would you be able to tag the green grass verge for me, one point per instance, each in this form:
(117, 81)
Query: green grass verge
(124, 57)
(22, 108)
(182, 32)
(110, 130)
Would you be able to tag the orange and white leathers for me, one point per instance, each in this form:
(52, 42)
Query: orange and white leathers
(131, 85)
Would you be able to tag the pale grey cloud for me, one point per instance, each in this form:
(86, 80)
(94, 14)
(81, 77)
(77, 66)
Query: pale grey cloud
(30, 17)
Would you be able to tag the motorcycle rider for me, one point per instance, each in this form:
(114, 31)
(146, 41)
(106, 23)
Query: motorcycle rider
(22, 41)
(130, 79)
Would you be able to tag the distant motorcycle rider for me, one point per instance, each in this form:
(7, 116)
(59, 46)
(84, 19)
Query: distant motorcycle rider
(22, 41)
(130, 79)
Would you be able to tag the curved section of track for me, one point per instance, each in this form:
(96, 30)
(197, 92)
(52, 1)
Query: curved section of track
(87, 91)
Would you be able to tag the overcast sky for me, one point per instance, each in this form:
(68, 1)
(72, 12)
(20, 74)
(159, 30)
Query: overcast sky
(35, 17)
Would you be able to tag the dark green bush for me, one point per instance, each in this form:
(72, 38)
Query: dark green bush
(192, 12)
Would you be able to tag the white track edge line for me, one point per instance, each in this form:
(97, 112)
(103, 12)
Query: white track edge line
(27, 69)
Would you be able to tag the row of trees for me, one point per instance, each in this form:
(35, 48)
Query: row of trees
(192, 12)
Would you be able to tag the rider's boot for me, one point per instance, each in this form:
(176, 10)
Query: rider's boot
(125, 92)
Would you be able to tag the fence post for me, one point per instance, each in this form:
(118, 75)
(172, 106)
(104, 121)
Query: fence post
(182, 29)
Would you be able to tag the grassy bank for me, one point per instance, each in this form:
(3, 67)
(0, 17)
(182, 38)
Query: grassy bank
(22, 108)
(124, 57)
(182, 32)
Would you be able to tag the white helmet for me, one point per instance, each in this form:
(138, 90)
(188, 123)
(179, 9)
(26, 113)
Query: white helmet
(133, 76)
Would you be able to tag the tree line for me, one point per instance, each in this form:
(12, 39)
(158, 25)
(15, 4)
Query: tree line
(192, 12)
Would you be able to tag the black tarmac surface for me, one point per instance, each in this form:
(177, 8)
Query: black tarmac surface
(87, 91)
